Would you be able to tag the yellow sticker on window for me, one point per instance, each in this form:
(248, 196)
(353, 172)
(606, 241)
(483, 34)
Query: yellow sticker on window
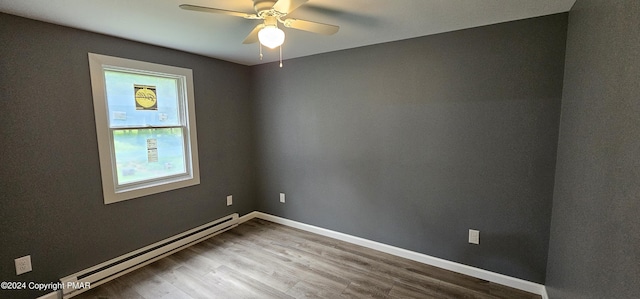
(145, 97)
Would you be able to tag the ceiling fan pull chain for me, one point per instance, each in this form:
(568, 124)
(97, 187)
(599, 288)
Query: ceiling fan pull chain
(280, 55)
(260, 50)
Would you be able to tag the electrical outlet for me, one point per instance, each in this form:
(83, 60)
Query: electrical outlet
(23, 264)
(229, 200)
(282, 197)
(474, 236)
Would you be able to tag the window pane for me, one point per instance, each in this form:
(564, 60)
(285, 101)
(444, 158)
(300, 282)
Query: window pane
(143, 154)
(141, 99)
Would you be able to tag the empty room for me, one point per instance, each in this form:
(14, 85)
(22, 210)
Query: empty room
(320, 149)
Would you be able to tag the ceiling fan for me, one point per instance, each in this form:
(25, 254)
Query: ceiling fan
(272, 12)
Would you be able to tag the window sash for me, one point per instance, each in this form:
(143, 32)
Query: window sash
(186, 161)
(181, 90)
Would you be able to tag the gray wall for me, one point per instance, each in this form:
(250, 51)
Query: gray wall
(50, 188)
(594, 249)
(412, 143)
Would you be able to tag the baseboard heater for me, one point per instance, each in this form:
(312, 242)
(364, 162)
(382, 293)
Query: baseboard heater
(82, 281)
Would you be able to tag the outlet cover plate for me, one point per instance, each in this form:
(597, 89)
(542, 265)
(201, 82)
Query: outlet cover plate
(474, 236)
(23, 264)
(229, 200)
(282, 197)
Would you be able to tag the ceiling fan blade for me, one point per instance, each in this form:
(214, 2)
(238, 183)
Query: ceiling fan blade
(253, 36)
(314, 27)
(216, 10)
(287, 6)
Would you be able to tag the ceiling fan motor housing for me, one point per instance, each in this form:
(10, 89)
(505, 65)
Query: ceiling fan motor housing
(262, 5)
(271, 12)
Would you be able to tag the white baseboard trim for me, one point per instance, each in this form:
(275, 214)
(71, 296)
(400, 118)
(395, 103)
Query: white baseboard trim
(247, 217)
(412, 255)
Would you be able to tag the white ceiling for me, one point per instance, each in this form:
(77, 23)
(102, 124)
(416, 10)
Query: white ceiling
(362, 22)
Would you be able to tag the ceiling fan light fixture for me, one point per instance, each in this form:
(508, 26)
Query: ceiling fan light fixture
(271, 36)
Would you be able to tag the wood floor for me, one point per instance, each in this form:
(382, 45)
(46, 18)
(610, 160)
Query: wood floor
(261, 259)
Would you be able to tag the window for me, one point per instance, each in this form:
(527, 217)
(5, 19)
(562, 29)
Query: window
(146, 127)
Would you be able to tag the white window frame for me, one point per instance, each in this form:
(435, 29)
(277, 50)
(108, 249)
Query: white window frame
(111, 190)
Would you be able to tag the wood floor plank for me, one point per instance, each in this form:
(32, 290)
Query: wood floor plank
(149, 285)
(337, 266)
(118, 288)
(290, 268)
(304, 289)
(261, 259)
(249, 283)
(190, 282)
(287, 260)
(366, 289)
(276, 279)
(400, 290)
